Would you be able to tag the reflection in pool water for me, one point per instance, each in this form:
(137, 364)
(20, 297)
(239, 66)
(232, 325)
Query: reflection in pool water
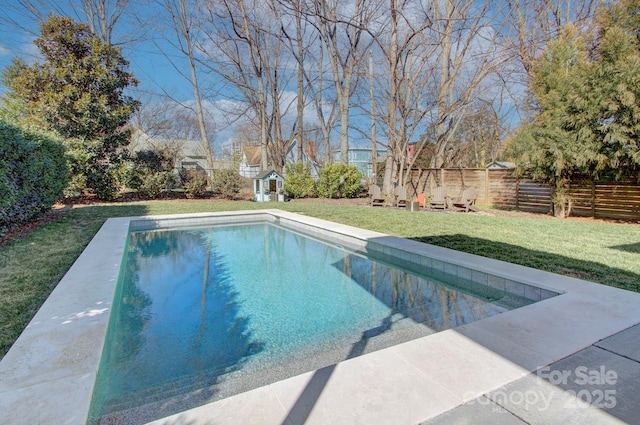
(197, 307)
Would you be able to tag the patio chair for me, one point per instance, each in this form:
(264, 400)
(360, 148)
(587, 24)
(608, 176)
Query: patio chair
(439, 199)
(466, 201)
(377, 200)
(422, 200)
(401, 197)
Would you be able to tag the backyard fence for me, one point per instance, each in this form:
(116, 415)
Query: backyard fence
(501, 188)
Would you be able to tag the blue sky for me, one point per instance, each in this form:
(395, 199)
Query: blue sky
(150, 67)
(156, 74)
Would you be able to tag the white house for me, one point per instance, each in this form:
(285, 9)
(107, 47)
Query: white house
(250, 161)
(308, 156)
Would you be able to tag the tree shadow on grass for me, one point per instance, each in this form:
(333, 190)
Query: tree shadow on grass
(633, 248)
(561, 264)
(103, 212)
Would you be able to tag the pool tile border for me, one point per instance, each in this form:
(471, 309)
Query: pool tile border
(63, 343)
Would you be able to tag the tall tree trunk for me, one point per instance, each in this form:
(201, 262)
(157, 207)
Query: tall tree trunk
(204, 136)
(392, 145)
(300, 105)
(374, 147)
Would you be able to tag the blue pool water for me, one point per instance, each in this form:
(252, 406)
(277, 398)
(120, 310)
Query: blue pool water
(201, 313)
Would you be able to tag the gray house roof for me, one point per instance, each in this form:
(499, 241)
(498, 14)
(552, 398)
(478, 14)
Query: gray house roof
(501, 165)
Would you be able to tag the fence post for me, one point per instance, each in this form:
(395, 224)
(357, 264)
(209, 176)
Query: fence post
(486, 187)
(593, 199)
(517, 192)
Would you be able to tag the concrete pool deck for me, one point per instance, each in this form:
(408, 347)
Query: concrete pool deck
(48, 375)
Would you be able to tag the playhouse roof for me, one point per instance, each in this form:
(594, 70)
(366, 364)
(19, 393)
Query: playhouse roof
(271, 174)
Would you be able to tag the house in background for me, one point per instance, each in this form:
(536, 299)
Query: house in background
(500, 165)
(308, 157)
(250, 161)
(189, 153)
(361, 157)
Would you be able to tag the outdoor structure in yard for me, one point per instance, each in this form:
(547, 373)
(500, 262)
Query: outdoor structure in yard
(501, 188)
(268, 186)
(361, 157)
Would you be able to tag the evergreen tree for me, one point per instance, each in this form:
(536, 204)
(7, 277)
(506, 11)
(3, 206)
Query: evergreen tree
(585, 92)
(79, 92)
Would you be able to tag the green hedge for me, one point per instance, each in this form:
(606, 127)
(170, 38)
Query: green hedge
(299, 182)
(33, 174)
(339, 181)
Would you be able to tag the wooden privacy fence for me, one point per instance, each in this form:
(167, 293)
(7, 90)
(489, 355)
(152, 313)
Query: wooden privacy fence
(502, 189)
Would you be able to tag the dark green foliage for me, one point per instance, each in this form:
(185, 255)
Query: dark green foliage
(150, 173)
(33, 174)
(194, 182)
(339, 181)
(299, 182)
(227, 183)
(585, 89)
(78, 92)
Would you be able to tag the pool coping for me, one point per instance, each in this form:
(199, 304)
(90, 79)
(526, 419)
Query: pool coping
(48, 375)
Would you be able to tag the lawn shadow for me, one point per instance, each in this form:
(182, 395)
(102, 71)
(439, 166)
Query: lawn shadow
(633, 248)
(555, 263)
(103, 212)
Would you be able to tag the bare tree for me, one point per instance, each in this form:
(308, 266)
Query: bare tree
(185, 25)
(532, 23)
(468, 35)
(297, 47)
(345, 34)
(245, 45)
(161, 117)
(406, 53)
(102, 16)
(234, 49)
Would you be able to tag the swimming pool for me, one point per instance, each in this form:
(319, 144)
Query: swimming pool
(49, 374)
(204, 312)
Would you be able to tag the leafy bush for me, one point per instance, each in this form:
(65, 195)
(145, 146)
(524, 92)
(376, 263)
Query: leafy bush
(194, 182)
(33, 174)
(102, 180)
(150, 173)
(155, 183)
(299, 182)
(227, 183)
(339, 181)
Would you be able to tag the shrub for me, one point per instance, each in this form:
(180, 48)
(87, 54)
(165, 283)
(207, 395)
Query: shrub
(299, 182)
(194, 182)
(33, 174)
(102, 180)
(150, 173)
(227, 183)
(339, 181)
(154, 183)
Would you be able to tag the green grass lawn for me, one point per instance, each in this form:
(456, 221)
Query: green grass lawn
(608, 253)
